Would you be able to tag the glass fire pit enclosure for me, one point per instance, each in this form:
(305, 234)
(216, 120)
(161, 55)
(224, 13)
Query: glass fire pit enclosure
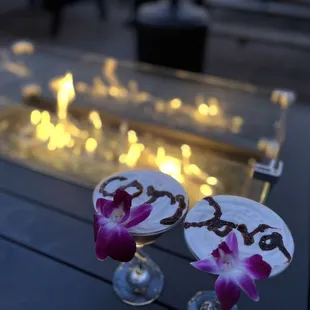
(82, 117)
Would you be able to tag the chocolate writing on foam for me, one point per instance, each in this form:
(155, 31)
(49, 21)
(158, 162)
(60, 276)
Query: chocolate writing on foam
(152, 193)
(135, 184)
(215, 224)
(248, 237)
(155, 194)
(273, 241)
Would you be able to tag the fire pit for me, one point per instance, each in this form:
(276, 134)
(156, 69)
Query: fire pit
(82, 117)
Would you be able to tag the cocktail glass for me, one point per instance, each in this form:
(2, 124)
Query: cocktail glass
(140, 281)
(208, 300)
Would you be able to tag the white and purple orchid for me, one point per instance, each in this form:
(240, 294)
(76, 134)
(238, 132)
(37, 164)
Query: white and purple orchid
(112, 220)
(234, 273)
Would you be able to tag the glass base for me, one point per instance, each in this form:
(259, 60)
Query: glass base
(138, 282)
(205, 300)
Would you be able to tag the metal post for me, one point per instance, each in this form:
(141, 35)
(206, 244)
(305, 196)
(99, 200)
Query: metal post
(269, 173)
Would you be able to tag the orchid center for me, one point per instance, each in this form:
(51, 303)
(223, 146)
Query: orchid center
(227, 260)
(117, 215)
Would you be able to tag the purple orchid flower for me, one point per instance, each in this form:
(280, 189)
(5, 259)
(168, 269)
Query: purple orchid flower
(111, 222)
(234, 273)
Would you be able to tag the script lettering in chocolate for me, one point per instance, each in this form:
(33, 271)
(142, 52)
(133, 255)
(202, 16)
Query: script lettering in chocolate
(273, 241)
(155, 194)
(266, 243)
(134, 183)
(214, 224)
(178, 213)
(248, 237)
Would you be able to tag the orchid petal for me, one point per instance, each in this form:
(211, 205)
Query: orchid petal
(218, 259)
(257, 267)
(103, 240)
(99, 220)
(114, 241)
(216, 253)
(100, 205)
(248, 285)
(96, 225)
(121, 197)
(122, 245)
(138, 215)
(227, 292)
(225, 248)
(108, 208)
(232, 243)
(207, 265)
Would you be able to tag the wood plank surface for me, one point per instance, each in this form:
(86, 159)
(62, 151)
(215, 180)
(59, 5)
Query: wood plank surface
(30, 281)
(63, 196)
(71, 241)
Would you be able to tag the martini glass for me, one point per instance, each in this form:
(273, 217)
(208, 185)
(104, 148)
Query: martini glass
(207, 300)
(140, 281)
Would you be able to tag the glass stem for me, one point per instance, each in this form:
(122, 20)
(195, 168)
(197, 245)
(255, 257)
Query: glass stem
(140, 259)
(139, 276)
(208, 305)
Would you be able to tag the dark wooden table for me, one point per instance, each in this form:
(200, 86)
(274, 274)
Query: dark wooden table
(47, 259)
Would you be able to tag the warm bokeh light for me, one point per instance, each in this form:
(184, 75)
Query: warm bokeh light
(51, 146)
(171, 166)
(212, 181)
(132, 136)
(43, 131)
(161, 153)
(206, 190)
(95, 119)
(45, 117)
(15, 68)
(35, 117)
(213, 104)
(213, 110)
(23, 47)
(71, 143)
(109, 71)
(91, 145)
(114, 91)
(186, 151)
(65, 95)
(203, 109)
(131, 158)
(175, 103)
(193, 169)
